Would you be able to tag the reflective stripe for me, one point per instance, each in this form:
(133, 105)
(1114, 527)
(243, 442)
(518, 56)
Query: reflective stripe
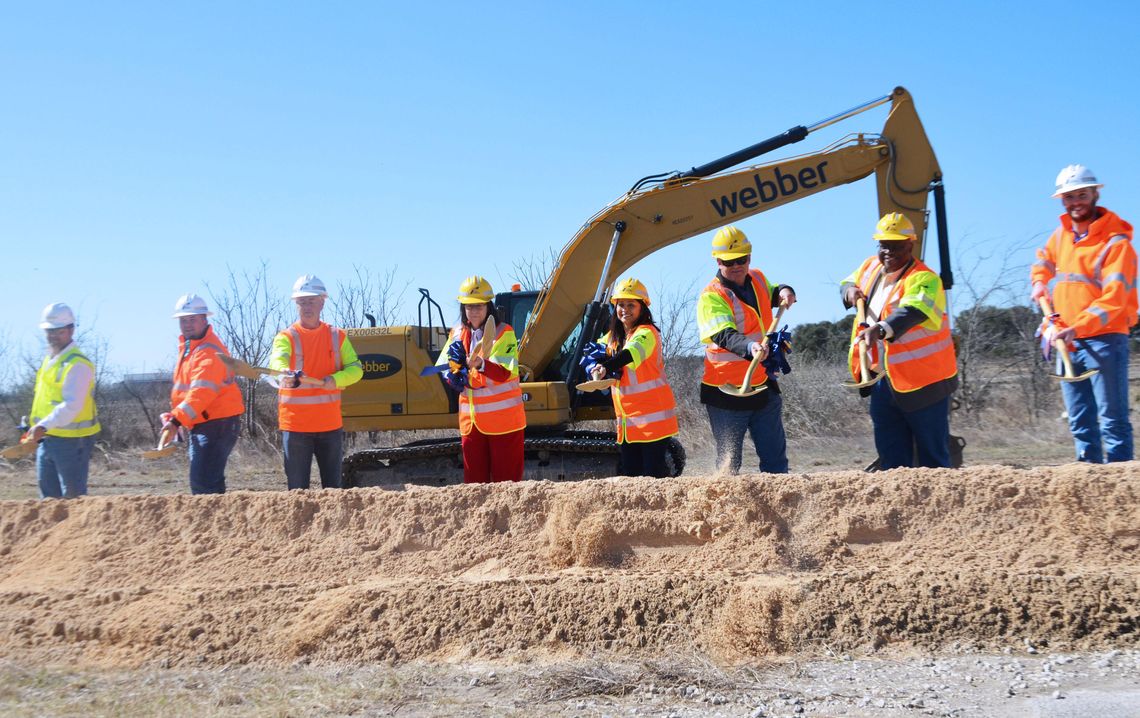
(915, 334)
(1099, 313)
(899, 357)
(497, 405)
(646, 419)
(1120, 277)
(336, 337)
(204, 384)
(738, 315)
(297, 360)
(180, 387)
(185, 406)
(638, 388)
(79, 425)
(1098, 264)
(492, 390)
(1046, 265)
(706, 327)
(65, 362)
(318, 399)
(1078, 278)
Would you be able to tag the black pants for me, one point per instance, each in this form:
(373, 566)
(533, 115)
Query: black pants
(644, 459)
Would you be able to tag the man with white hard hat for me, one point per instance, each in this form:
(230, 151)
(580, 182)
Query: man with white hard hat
(205, 401)
(63, 420)
(1092, 265)
(308, 413)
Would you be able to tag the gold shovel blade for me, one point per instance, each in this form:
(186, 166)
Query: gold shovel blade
(734, 390)
(169, 450)
(1080, 377)
(19, 451)
(596, 385)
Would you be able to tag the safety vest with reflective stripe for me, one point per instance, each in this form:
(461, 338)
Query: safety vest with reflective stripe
(492, 407)
(49, 394)
(317, 353)
(924, 354)
(719, 308)
(1095, 287)
(643, 400)
(204, 388)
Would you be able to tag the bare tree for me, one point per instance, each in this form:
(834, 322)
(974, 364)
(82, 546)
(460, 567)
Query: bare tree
(247, 314)
(674, 311)
(532, 273)
(380, 295)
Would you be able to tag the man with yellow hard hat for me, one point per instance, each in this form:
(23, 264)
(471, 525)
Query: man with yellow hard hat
(909, 333)
(734, 314)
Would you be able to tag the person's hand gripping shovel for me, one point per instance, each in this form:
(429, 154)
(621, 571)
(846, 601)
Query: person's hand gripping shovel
(592, 360)
(26, 447)
(167, 444)
(866, 376)
(1050, 326)
(243, 369)
(747, 388)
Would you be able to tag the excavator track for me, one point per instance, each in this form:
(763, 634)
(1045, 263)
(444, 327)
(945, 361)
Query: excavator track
(570, 456)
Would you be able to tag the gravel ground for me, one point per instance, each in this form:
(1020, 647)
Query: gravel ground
(1022, 682)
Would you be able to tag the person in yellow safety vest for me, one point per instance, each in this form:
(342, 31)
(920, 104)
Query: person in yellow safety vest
(64, 419)
(734, 314)
(317, 361)
(908, 329)
(205, 401)
(1092, 264)
(643, 402)
(492, 420)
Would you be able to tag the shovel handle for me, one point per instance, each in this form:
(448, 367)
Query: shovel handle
(1062, 350)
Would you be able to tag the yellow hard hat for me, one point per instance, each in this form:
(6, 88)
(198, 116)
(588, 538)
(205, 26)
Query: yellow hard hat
(893, 227)
(630, 289)
(475, 290)
(730, 243)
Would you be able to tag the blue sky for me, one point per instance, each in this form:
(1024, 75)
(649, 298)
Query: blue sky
(149, 146)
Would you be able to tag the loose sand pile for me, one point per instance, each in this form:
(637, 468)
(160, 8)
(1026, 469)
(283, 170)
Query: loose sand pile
(734, 568)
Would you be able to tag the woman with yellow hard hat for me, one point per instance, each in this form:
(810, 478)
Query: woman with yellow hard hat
(491, 415)
(643, 402)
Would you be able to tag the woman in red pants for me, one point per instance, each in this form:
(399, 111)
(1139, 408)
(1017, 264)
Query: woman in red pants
(491, 415)
(643, 402)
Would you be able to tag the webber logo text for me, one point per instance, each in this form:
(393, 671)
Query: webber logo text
(762, 191)
(379, 366)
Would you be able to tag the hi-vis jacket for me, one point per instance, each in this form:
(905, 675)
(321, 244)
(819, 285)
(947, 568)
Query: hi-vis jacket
(1095, 288)
(204, 388)
(491, 405)
(718, 309)
(318, 353)
(50, 380)
(643, 401)
(922, 355)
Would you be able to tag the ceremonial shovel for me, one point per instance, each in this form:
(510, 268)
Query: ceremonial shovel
(26, 447)
(1062, 350)
(866, 378)
(166, 445)
(255, 372)
(746, 389)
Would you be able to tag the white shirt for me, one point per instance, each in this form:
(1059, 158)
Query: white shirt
(75, 388)
(880, 293)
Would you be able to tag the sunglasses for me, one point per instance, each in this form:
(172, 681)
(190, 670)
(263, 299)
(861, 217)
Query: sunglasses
(739, 261)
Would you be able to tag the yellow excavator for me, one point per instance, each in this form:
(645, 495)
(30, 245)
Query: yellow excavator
(556, 321)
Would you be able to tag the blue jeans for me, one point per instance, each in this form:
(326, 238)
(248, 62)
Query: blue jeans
(900, 435)
(766, 426)
(1098, 406)
(61, 466)
(210, 445)
(300, 448)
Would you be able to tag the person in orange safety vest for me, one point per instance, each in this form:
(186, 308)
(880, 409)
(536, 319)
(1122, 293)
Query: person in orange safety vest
(205, 401)
(908, 328)
(1090, 260)
(492, 420)
(317, 362)
(644, 407)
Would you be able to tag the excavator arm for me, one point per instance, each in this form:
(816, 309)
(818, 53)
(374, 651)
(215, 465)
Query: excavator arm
(672, 208)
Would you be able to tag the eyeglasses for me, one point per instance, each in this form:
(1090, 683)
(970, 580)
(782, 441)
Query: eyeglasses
(739, 261)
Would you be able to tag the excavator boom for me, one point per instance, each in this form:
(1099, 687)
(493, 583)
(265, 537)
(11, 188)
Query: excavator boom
(680, 206)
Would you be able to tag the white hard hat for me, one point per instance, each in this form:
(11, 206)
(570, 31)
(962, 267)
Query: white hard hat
(309, 286)
(1075, 177)
(189, 305)
(56, 316)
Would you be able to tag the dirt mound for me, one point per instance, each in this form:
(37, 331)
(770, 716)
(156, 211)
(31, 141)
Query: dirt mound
(732, 567)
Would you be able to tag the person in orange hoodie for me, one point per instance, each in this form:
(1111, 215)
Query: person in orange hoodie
(1092, 265)
(308, 411)
(205, 401)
